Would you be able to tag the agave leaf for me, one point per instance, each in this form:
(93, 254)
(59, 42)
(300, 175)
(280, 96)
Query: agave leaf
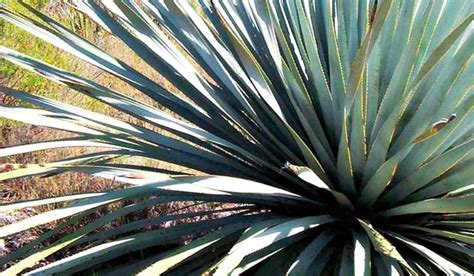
(210, 185)
(347, 258)
(215, 188)
(32, 260)
(101, 236)
(76, 236)
(393, 267)
(439, 205)
(76, 45)
(158, 45)
(317, 73)
(446, 234)
(460, 257)
(431, 102)
(29, 247)
(282, 260)
(458, 178)
(381, 179)
(438, 143)
(362, 255)
(76, 207)
(351, 22)
(440, 262)
(300, 100)
(453, 224)
(469, 252)
(190, 249)
(386, 173)
(319, 143)
(239, 73)
(442, 48)
(195, 265)
(309, 254)
(144, 223)
(257, 75)
(322, 264)
(234, 116)
(127, 129)
(262, 239)
(130, 105)
(337, 74)
(44, 118)
(382, 245)
(69, 110)
(304, 101)
(377, 64)
(256, 258)
(51, 200)
(310, 158)
(356, 73)
(387, 117)
(460, 89)
(62, 143)
(385, 131)
(359, 63)
(344, 163)
(407, 45)
(209, 53)
(358, 132)
(23, 170)
(139, 241)
(309, 176)
(252, 231)
(115, 99)
(429, 172)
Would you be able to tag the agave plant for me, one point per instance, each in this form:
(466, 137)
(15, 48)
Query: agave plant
(338, 135)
